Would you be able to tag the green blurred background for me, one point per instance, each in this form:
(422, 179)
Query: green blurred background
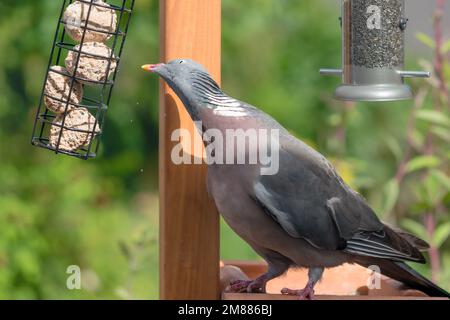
(102, 214)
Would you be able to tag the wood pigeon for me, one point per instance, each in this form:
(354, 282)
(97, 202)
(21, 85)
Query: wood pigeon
(302, 216)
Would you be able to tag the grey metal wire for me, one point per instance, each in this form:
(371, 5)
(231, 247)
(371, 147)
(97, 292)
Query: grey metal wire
(100, 101)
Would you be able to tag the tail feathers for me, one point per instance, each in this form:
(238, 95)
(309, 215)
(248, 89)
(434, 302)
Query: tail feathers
(417, 242)
(412, 239)
(400, 271)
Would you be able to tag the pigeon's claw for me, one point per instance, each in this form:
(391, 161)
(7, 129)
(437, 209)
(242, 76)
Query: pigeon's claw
(247, 286)
(305, 294)
(239, 286)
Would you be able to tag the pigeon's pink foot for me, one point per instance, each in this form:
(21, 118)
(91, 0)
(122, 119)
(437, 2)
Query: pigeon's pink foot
(248, 286)
(239, 286)
(305, 294)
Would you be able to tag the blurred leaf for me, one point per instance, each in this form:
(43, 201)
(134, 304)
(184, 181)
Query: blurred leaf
(445, 273)
(441, 234)
(422, 162)
(446, 70)
(345, 170)
(442, 178)
(390, 194)
(419, 206)
(428, 194)
(394, 146)
(441, 133)
(123, 293)
(414, 227)
(426, 40)
(335, 119)
(125, 250)
(446, 47)
(434, 117)
(418, 138)
(434, 193)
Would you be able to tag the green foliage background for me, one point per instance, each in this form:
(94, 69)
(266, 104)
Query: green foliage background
(103, 214)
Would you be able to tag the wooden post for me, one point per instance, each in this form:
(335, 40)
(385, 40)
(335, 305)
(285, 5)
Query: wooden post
(189, 222)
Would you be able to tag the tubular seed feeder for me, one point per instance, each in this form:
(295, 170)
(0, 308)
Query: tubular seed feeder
(373, 42)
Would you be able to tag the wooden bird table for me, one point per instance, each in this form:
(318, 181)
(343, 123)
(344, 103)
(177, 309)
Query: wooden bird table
(347, 282)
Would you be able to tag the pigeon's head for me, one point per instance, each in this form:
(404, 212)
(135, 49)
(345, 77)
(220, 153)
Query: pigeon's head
(179, 69)
(189, 79)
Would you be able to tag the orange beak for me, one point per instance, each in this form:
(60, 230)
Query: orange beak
(151, 67)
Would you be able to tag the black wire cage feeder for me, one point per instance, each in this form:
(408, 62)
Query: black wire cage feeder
(74, 100)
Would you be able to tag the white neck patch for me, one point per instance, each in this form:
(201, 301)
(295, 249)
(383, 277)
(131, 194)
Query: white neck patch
(230, 112)
(226, 107)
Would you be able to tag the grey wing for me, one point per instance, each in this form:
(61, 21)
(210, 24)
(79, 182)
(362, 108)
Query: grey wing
(310, 201)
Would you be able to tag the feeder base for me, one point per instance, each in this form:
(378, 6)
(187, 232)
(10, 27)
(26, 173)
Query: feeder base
(373, 92)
